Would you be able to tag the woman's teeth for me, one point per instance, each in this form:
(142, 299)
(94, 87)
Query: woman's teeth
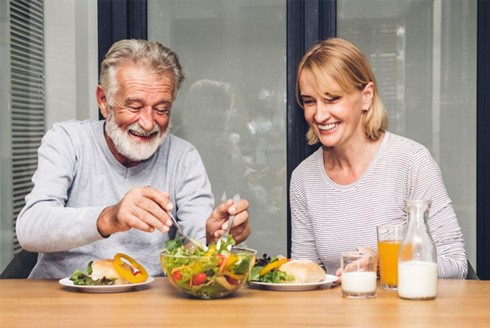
(327, 127)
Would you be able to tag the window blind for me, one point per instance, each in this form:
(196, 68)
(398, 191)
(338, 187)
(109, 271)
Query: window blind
(27, 97)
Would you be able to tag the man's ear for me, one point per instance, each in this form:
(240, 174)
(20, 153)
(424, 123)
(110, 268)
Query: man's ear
(367, 95)
(102, 101)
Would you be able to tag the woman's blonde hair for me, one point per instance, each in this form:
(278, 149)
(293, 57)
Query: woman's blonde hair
(343, 62)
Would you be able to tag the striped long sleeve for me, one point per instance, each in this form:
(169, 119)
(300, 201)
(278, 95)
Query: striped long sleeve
(328, 218)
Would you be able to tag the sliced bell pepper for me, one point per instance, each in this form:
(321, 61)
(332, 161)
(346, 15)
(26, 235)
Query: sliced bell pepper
(272, 265)
(233, 275)
(135, 273)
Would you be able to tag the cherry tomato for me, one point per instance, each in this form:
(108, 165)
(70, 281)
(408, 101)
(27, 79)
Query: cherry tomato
(176, 275)
(199, 279)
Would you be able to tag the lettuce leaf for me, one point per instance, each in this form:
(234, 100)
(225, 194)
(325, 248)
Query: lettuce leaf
(81, 278)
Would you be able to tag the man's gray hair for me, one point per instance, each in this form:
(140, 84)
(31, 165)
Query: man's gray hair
(152, 55)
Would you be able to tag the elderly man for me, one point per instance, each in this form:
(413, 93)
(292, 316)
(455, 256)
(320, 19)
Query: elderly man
(104, 187)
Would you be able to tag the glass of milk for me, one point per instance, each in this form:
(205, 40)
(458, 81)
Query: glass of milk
(358, 274)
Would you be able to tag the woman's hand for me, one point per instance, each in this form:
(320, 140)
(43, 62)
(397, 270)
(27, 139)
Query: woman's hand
(361, 263)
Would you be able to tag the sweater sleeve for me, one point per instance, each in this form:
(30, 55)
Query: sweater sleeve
(426, 182)
(45, 224)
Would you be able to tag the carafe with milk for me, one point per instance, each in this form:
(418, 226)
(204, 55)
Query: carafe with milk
(417, 260)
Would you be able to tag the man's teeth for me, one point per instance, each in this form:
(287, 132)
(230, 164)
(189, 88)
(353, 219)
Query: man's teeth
(327, 127)
(138, 134)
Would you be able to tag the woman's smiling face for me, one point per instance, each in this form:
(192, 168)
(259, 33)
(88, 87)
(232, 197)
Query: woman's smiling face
(334, 115)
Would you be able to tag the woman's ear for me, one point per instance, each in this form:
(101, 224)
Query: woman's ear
(102, 101)
(367, 96)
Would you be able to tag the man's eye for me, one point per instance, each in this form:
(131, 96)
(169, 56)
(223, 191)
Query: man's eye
(135, 108)
(162, 111)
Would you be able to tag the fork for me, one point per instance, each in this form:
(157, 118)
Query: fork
(179, 229)
(236, 199)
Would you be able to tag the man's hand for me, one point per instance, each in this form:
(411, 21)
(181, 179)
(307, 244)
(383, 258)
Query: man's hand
(143, 208)
(217, 223)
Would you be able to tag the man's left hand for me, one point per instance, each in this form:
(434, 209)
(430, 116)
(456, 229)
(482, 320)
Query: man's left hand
(217, 223)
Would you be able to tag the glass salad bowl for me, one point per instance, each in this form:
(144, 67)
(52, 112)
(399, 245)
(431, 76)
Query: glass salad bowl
(208, 273)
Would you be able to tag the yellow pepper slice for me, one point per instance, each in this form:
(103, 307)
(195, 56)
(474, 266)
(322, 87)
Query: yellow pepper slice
(233, 275)
(211, 250)
(272, 265)
(136, 274)
(232, 259)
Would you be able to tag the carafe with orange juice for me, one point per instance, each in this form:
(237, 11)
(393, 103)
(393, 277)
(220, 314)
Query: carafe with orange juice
(389, 240)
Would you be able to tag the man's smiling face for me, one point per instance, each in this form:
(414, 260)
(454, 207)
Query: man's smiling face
(140, 116)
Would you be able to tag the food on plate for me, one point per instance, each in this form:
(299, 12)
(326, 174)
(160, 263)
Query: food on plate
(210, 272)
(282, 270)
(266, 269)
(303, 271)
(121, 270)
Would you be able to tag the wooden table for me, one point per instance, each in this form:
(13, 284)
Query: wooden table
(27, 303)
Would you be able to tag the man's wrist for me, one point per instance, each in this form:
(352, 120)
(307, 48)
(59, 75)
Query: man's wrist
(103, 222)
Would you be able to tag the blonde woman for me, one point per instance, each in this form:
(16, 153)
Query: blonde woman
(361, 174)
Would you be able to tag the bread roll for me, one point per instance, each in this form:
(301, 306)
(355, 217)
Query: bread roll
(303, 271)
(105, 268)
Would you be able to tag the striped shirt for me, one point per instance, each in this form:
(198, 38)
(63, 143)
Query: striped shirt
(328, 218)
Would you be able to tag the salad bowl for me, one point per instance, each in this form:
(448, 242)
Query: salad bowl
(207, 274)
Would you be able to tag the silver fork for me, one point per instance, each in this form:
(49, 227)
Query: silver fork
(179, 229)
(236, 199)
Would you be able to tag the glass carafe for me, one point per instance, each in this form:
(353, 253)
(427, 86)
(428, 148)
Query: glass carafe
(417, 260)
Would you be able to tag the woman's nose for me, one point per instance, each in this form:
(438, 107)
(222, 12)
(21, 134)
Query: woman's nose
(322, 112)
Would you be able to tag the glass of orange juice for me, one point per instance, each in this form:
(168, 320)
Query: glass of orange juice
(389, 239)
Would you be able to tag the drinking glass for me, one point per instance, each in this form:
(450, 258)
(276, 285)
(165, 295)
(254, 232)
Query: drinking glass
(358, 274)
(390, 237)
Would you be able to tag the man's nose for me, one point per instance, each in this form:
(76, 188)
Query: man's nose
(147, 119)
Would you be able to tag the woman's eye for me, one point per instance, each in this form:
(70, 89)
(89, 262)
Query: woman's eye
(307, 102)
(332, 99)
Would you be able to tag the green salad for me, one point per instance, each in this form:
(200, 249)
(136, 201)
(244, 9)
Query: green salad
(208, 272)
(84, 278)
(266, 269)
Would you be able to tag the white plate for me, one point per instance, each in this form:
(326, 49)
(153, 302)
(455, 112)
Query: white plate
(104, 289)
(327, 283)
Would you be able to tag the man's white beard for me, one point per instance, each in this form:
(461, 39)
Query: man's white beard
(128, 147)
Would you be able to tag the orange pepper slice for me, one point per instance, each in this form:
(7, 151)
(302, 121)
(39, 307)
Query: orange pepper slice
(272, 265)
(136, 274)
